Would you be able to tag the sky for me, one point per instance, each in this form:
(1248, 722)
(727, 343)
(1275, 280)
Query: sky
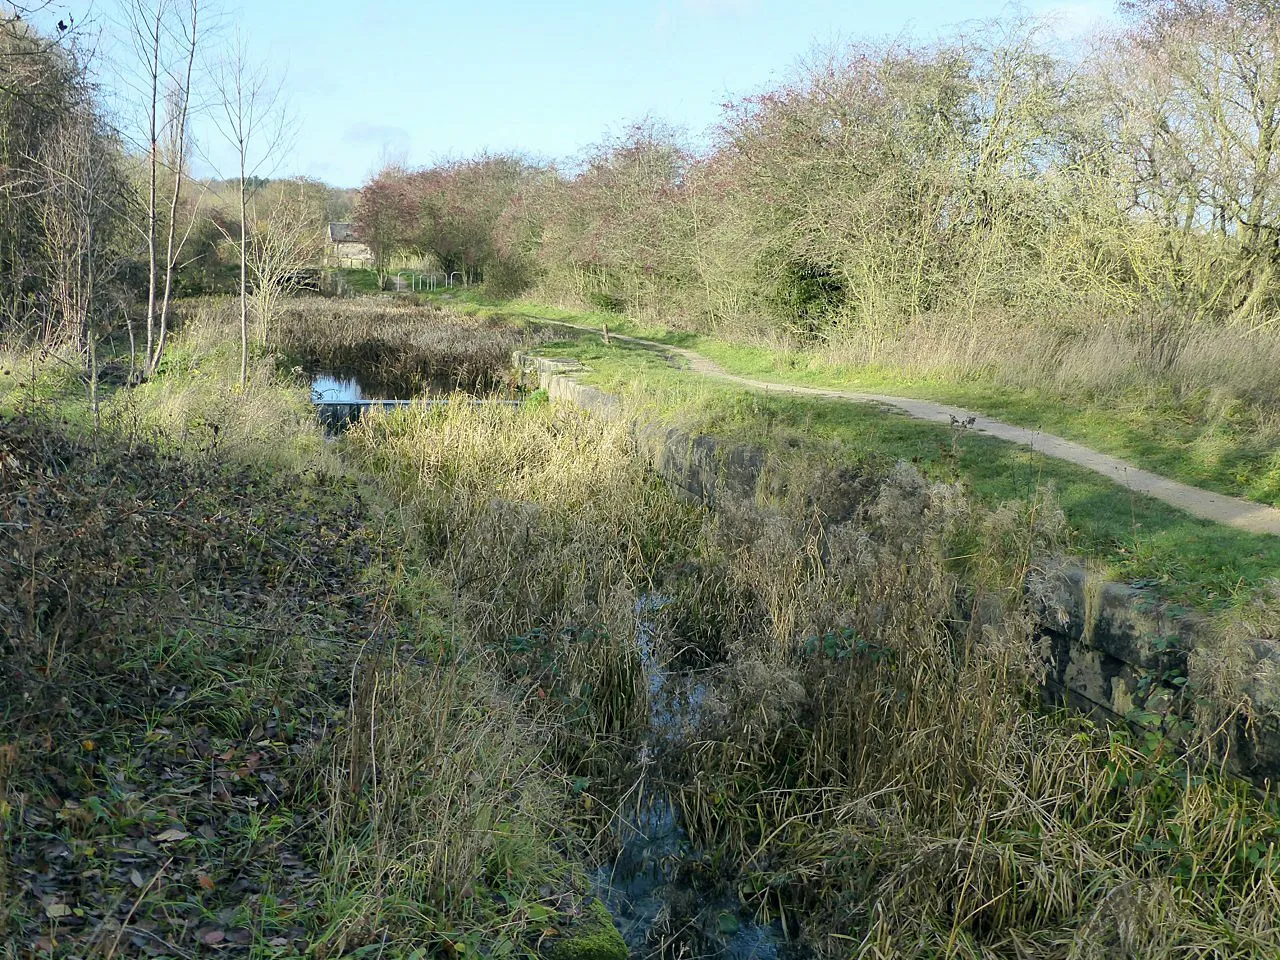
(420, 81)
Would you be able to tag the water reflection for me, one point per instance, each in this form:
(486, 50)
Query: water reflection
(331, 389)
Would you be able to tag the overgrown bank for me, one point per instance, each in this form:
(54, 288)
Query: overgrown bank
(1136, 538)
(865, 766)
(1193, 403)
(239, 713)
(871, 761)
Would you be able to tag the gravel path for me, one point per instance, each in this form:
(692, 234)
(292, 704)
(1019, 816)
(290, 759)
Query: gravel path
(1231, 511)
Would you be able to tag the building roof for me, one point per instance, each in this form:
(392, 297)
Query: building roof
(343, 233)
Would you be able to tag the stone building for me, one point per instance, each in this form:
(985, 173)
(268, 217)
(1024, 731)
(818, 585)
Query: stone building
(345, 249)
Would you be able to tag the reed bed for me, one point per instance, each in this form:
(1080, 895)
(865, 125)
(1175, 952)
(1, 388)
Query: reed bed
(401, 347)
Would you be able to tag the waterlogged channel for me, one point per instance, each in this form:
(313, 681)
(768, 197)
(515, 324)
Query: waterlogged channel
(343, 398)
(650, 887)
(329, 388)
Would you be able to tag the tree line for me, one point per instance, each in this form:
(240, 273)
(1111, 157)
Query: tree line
(994, 171)
(103, 220)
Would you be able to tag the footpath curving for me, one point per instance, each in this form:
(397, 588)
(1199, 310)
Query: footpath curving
(1115, 651)
(1230, 511)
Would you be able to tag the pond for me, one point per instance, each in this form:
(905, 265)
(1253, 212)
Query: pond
(343, 397)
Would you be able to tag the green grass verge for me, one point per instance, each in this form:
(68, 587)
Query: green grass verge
(1157, 434)
(1160, 434)
(1137, 537)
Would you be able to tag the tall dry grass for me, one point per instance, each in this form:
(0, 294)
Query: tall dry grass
(1160, 361)
(549, 530)
(444, 822)
(918, 799)
(874, 763)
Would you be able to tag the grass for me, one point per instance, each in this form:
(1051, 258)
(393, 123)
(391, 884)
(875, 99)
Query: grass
(359, 281)
(1176, 439)
(1136, 537)
(373, 697)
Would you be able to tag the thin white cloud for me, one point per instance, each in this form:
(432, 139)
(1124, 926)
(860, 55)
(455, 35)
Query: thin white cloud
(1073, 19)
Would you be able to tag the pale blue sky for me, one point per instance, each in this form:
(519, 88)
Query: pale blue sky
(429, 80)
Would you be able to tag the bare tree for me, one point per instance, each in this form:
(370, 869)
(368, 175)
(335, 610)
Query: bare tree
(40, 82)
(1195, 92)
(286, 238)
(177, 110)
(77, 210)
(251, 118)
(165, 36)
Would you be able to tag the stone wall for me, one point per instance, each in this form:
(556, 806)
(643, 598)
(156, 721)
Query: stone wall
(1118, 652)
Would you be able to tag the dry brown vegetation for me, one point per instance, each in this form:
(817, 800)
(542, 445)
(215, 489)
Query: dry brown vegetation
(401, 346)
(1171, 367)
(871, 764)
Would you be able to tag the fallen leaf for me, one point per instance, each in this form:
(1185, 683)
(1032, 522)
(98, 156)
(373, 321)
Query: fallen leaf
(172, 835)
(56, 910)
(136, 879)
(205, 881)
(213, 937)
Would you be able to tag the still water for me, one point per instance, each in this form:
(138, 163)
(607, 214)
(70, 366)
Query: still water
(331, 389)
(660, 910)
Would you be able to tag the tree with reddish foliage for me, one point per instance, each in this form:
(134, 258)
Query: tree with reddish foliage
(386, 216)
(618, 233)
(460, 205)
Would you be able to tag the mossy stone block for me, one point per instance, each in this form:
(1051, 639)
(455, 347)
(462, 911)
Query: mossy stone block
(594, 937)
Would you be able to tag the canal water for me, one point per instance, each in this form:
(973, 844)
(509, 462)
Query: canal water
(328, 388)
(650, 887)
(342, 399)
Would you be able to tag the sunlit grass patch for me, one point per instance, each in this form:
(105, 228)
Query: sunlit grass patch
(1139, 538)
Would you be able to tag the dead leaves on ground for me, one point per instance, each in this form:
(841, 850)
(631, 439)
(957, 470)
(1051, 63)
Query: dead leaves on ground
(178, 637)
